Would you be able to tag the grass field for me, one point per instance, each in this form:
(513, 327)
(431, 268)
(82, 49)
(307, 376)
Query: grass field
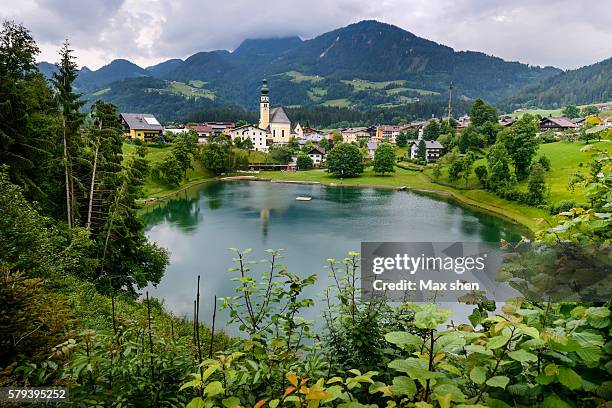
(554, 112)
(299, 77)
(181, 88)
(338, 103)
(154, 189)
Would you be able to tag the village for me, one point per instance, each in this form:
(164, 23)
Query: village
(275, 129)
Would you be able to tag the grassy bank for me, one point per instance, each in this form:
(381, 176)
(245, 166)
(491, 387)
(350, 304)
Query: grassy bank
(566, 159)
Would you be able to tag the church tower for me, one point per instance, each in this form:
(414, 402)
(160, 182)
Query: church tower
(264, 106)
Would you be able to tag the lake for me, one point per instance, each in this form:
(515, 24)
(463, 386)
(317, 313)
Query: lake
(200, 224)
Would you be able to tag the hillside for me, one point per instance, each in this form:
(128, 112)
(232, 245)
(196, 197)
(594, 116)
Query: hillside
(364, 65)
(592, 83)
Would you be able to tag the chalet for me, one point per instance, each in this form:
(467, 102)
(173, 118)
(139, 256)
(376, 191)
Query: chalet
(433, 150)
(388, 133)
(317, 154)
(313, 137)
(257, 135)
(142, 126)
(557, 124)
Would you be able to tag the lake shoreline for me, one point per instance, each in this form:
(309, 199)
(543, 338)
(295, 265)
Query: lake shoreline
(440, 194)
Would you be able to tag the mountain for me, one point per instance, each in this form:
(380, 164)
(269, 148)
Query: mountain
(592, 83)
(363, 66)
(117, 70)
(163, 68)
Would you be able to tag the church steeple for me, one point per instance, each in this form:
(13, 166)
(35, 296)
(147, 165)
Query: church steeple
(264, 106)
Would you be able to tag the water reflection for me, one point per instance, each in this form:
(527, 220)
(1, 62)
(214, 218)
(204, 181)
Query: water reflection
(200, 226)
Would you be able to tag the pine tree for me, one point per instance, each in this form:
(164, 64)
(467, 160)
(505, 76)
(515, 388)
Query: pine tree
(72, 119)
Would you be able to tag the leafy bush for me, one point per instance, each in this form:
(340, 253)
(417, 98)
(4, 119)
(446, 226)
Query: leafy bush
(544, 162)
(482, 174)
(345, 160)
(304, 162)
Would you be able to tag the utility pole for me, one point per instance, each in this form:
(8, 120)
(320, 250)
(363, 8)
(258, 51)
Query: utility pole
(450, 96)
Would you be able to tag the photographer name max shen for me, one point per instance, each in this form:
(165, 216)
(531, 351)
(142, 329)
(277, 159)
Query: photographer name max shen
(421, 284)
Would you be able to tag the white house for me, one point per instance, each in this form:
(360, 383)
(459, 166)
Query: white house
(433, 150)
(317, 154)
(256, 134)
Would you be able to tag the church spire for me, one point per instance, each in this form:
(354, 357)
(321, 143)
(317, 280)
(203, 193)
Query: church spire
(264, 106)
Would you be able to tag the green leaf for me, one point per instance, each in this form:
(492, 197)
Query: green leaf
(213, 388)
(197, 402)
(274, 403)
(552, 401)
(403, 386)
(403, 339)
(430, 317)
(496, 342)
(500, 381)
(448, 343)
(422, 405)
(569, 378)
(450, 389)
(478, 375)
(522, 356)
(231, 402)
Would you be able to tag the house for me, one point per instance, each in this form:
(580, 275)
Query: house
(353, 135)
(433, 150)
(388, 133)
(257, 135)
(558, 124)
(142, 126)
(298, 131)
(506, 121)
(371, 149)
(317, 154)
(607, 122)
(203, 130)
(274, 121)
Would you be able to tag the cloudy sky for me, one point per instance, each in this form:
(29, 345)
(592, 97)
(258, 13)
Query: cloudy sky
(562, 33)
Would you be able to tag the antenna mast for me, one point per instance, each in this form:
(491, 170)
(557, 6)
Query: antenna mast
(450, 94)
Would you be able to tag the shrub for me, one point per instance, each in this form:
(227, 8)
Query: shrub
(482, 174)
(544, 162)
(304, 162)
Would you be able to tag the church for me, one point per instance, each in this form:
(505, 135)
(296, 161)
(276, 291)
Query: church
(274, 121)
(274, 126)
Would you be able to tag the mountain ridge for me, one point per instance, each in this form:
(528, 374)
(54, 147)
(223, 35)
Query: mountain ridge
(363, 65)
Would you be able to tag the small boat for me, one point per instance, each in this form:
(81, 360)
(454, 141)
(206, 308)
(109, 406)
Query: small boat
(300, 198)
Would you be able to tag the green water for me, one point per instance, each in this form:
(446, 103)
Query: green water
(201, 224)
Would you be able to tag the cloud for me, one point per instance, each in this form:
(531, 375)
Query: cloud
(540, 32)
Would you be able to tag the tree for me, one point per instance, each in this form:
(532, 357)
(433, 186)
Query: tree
(521, 143)
(281, 154)
(498, 162)
(422, 150)
(337, 137)
(466, 168)
(345, 160)
(70, 106)
(455, 167)
(304, 162)
(216, 155)
(293, 143)
(470, 138)
(241, 123)
(588, 111)
(431, 130)
(536, 184)
(28, 120)
(571, 111)
(482, 174)
(384, 159)
(324, 143)
(247, 144)
(482, 113)
(169, 171)
(402, 139)
(184, 149)
(437, 171)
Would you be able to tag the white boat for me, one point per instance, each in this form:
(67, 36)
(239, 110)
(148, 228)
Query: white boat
(300, 198)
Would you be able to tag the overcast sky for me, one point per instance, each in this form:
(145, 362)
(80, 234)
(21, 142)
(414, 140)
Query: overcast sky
(562, 33)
